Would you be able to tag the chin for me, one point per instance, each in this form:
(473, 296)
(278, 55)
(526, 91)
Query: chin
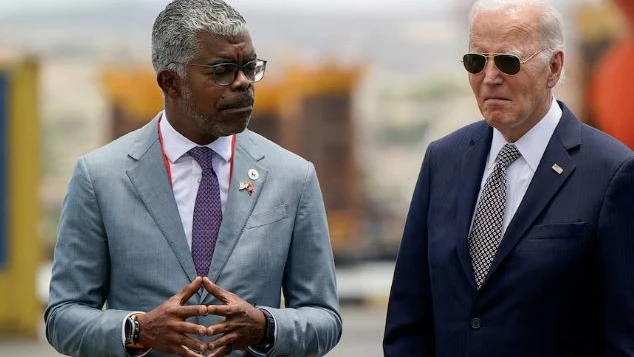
(234, 127)
(498, 120)
(239, 125)
(217, 126)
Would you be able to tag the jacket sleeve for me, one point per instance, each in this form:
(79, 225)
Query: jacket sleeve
(76, 325)
(310, 323)
(409, 329)
(616, 256)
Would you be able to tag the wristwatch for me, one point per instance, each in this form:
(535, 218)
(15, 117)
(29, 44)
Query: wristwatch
(132, 332)
(268, 339)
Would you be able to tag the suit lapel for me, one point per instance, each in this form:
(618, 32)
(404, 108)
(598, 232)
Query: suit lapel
(240, 203)
(545, 184)
(149, 178)
(471, 171)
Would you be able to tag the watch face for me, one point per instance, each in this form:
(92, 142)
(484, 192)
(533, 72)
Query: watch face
(129, 330)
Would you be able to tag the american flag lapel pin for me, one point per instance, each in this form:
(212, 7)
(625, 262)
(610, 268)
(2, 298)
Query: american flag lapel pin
(558, 169)
(248, 186)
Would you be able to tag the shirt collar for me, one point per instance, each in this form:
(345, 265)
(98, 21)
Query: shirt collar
(532, 144)
(175, 145)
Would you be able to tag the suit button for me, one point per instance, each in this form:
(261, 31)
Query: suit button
(475, 323)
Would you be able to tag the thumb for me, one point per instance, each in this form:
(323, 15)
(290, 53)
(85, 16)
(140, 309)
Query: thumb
(189, 290)
(215, 290)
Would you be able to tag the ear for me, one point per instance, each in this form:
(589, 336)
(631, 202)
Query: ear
(556, 67)
(170, 83)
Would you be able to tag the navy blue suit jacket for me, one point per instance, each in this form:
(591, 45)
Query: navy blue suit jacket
(562, 281)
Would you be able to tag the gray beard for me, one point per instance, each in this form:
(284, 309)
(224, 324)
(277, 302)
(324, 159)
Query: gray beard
(207, 125)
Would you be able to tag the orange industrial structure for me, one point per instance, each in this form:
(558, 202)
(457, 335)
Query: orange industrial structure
(606, 50)
(308, 111)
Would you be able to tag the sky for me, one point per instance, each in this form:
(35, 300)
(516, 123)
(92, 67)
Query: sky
(25, 5)
(10, 6)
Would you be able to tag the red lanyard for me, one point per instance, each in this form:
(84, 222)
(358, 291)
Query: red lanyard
(166, 161)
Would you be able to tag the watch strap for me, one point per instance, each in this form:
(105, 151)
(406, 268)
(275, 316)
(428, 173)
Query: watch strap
(268, 339)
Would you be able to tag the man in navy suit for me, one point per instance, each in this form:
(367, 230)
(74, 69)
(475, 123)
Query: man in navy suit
(520, 235)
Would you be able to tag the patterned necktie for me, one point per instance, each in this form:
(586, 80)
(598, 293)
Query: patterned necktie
(207, 212)
(486, 231)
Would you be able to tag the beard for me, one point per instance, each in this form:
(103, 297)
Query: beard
(212, 127)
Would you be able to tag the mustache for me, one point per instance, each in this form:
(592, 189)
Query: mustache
(242, 102)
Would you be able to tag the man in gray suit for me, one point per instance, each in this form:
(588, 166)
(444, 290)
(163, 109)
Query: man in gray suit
(179, 238)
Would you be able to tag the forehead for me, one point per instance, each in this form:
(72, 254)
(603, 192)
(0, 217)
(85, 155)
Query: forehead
(213, 46)
(507, 30)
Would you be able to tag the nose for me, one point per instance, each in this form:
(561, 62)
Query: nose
(241, 82)
(492, 74)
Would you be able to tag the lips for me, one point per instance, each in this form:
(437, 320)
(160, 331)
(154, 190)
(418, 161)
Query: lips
(240, 104)
(496, 98)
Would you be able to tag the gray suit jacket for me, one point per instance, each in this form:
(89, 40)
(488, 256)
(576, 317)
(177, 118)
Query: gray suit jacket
(121, 244)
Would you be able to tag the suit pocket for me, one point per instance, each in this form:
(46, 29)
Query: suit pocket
(263, 218)
(576, 230)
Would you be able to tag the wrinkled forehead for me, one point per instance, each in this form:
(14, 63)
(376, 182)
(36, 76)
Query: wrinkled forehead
(230, 47)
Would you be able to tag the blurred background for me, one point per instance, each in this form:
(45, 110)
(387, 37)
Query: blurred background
(358, 87)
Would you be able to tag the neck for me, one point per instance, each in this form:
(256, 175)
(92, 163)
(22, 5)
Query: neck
(187, 127)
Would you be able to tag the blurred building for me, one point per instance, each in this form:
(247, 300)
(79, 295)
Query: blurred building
(606, 48)
(133, 98)
(308, 111)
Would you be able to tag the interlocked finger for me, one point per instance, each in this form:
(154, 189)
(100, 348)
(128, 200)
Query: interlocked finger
(223, 351)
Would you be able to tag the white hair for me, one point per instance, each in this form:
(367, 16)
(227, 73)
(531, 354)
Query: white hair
(175, 29)
(551, 28)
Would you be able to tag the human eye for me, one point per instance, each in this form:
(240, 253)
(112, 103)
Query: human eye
(222, 69)
(249, 67)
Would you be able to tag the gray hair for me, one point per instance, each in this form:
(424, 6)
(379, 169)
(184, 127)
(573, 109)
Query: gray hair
(551, 26)
(176, 27)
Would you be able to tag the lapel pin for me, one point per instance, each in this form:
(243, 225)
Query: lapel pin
(254, 174)
(247, 186)
(557, 169)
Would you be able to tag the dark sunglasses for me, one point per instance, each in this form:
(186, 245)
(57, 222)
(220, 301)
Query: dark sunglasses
(507, 63)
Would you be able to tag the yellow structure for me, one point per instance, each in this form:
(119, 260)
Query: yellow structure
(20, 252)
(135, 90)
(598, 22)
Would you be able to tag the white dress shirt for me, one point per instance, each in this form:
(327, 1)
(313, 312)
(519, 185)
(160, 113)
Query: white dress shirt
(520, 173)
(186, 173)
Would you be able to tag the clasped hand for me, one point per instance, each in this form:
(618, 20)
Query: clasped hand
(166, 329)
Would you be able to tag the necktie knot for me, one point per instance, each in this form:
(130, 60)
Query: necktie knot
(203, 156)
(507, 155)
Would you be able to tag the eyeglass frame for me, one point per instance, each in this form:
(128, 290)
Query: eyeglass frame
(494, 54)
(239, 68)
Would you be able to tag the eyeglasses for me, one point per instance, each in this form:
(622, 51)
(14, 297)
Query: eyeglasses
(507, 63)
(226, 73)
